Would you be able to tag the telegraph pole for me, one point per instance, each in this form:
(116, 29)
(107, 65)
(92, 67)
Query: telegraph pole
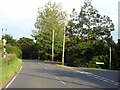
(63, 47)
(53, 46)
(110, 54)
(110, 59)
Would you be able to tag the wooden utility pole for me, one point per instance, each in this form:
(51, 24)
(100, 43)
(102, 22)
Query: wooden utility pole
(110, 59)
(53, 46)
(63, 47)
(110, 54)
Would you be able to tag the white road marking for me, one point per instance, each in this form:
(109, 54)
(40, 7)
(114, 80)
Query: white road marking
(60, 80)
(45, 67)
(57, 77)
(95, 76)
(11, 82)
(13, 78)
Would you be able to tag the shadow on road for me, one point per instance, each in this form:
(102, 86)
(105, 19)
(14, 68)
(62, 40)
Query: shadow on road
(64, 72)
(57, 80)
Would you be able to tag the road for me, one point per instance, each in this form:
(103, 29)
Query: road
(38, 74)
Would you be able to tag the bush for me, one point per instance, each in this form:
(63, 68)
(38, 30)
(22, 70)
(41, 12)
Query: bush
(100, 58)
(9, 58)
(14, 50)
(79, 54)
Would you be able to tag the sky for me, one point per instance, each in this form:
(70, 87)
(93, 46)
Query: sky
(19, 16)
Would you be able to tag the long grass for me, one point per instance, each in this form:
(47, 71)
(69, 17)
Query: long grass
(9, 69)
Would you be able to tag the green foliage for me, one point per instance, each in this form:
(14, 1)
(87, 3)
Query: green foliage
(115, 56)
(90, 24)
(50, 17)
(14, 50)
(0, 46)
(26, 46)
(86, 35)
(78, 52)
(9, 58)
(10, 40)
(12, 68)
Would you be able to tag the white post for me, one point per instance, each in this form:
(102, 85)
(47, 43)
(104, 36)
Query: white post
(4, 48)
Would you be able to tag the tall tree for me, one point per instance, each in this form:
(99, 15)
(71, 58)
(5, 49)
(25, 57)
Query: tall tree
(86, 25)
(90, 24)
(49, 18)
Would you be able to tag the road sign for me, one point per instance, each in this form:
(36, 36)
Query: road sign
(4, 41)
(99, 62)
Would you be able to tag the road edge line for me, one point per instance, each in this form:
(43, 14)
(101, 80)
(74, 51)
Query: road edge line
(13, 78)
(96, 76)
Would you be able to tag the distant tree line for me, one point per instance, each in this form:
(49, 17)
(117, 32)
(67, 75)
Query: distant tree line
(88, 37)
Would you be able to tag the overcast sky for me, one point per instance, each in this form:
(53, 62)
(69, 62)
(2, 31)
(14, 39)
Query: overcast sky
(19, 16)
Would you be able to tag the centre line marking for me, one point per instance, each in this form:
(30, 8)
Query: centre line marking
(60, 80)
(45, 67)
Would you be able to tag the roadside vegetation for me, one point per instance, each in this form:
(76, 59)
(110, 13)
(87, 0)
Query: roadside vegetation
(9, 68)
(0, 62)
(11, 64)
(88, 38)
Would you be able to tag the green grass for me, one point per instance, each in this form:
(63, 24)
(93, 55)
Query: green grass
(9, 70)
(55, 62)
(60, 64)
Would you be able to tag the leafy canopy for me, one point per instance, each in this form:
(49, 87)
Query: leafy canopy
(49, 18)
(90, 24)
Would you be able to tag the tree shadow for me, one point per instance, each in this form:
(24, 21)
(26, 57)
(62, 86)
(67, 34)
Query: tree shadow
(57, 80)
(74, 75)
(64, 72)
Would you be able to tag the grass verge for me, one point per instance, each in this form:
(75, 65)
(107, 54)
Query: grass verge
(60, 64)
(55, 62)
(9, 70)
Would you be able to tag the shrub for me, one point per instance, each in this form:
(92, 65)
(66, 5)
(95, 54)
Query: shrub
(14, 50)
(9, 58)
(100, 58)
(78, 54)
